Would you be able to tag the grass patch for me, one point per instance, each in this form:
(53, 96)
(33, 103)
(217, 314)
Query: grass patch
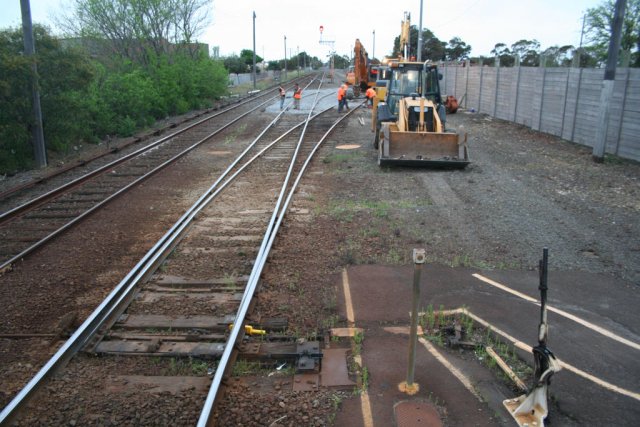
(230, 139)
(244, 367)
(184, 367)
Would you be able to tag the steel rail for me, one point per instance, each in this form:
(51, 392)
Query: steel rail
(5, 264)
(122, 291)
(263, 252)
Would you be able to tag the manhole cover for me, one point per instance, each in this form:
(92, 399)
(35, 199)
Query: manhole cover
(416, 414)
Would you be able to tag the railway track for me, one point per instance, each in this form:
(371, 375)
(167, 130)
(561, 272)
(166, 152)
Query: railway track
(27, 225)
(186, 302)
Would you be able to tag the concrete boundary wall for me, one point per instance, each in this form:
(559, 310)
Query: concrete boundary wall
(559, 101)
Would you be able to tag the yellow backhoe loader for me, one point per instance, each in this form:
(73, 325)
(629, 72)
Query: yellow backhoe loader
(410, 124)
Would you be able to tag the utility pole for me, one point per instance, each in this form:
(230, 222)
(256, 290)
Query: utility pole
(606, 92)
(285, 58)
(373, 53)
(254, 50)
(420, 35)
(39, 150)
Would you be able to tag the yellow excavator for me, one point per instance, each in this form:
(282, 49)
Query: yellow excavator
(410, 123)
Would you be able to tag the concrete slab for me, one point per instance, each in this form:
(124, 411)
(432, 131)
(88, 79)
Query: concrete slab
(607, 371)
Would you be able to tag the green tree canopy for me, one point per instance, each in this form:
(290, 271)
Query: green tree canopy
(247, 56)
(433, 48)
(598, 29)
(235, 64)
(457, 50)
(528, 51)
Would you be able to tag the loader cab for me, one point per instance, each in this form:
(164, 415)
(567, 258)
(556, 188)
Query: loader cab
(413, 79)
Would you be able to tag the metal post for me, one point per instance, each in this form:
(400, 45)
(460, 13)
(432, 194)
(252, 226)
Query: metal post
(419, 258)
(543, 287)
(39, 150)
(254, 51)
(373, 53)
(606, 93)
(419, 56)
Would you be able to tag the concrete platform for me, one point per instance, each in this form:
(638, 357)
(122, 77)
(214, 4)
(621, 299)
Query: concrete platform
(594, 331)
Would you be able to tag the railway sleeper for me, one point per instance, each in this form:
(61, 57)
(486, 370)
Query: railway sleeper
(161, 347)
(192, 285)
(147, 297)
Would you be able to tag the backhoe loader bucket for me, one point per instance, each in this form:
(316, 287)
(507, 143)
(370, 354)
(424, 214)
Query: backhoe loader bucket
(422, 149)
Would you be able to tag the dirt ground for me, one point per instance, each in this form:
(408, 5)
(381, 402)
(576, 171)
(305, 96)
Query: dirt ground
(524, 191)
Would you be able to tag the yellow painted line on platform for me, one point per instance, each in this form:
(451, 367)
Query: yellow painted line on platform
(563, 313)
(526, 347)
(365, 403)
(466, 382)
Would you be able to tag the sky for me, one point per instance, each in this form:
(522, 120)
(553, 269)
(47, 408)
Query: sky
(479, 23)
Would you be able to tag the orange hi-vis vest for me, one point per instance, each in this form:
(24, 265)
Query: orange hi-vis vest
(370, 93)
(340, 93)
(298, 94)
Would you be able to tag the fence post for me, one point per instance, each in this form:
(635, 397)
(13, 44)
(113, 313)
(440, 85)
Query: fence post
(495, 93)
(515, 108)
(466, 83)
(564, 107)
(455, 81)
(480, 90)
(575, 115)
(622, 109)
(543, 65)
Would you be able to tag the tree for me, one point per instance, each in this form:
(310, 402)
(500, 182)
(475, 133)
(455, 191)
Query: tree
(130, 28)
(65, 76)
(501, 51)
(457, 50)
(598, 29)
(247, 56)
(275, 65)
(341, 62)
(433, 49)
(235, 64)
(528, 51)
(558, 56)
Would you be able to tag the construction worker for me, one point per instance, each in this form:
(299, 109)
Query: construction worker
(370, 94)
(342, 95)
(345, 87)
(283, 95)
(297, 95)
